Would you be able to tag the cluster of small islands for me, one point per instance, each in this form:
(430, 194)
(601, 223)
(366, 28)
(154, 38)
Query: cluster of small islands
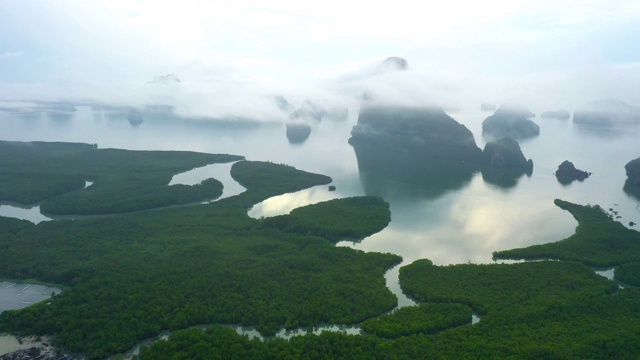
(130, 274)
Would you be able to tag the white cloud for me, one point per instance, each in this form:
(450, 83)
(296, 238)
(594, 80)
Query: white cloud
(234, 52)
(10, 55)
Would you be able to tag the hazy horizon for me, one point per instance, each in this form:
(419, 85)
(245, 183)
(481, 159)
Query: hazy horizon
(233, 57)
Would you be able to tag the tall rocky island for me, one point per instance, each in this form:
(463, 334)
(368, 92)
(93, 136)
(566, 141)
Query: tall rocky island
(423, 146)
(632, 185)
(426, 136)
(511, 121)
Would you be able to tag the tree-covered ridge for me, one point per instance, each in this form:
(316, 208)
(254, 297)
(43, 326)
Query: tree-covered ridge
(426, 318)
(264, 179)
(333, 219)
(495, 287)
(598, 241)
(133, 275)
(123, 180)
(546, 309)
(596, 327)
(628, 273)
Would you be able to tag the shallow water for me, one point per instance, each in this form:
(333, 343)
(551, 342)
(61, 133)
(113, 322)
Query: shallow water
(220, 172)
(31, 213)
(19, 295)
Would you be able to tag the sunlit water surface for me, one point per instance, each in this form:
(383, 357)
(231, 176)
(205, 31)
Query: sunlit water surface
(453, 226)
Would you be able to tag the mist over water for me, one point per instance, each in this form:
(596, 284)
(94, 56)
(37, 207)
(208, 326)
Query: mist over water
(459, 224)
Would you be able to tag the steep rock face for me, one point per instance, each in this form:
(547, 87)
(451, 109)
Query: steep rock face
(510, 121)
(632, 185)
(505, 153)
(418, 134)
(633, 172)
(298, 133)
(413, 152)
(607, 113)
(556, 114)
(567, 173)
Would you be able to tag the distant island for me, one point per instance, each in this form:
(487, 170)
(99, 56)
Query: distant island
(567, 173)
(607, 113)
(135, 117)
(510, 121)
(505, 153)
(427, 135)
(425, 146)
(298, 133)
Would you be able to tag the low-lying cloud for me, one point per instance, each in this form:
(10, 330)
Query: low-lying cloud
(232, 59)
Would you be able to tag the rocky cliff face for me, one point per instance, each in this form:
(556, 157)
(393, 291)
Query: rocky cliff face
(510, 121)
(505, 153)
(298, 133)
(568, 173)
(633, 172)
(413, 152)
(632, 185)
(425, 135)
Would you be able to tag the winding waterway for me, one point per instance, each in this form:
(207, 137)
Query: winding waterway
(455, 225)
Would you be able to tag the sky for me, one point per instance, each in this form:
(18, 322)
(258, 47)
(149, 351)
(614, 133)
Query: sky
(231, 56)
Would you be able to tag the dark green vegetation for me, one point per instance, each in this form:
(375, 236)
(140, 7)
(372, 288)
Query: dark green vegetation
(123, 180)
(497, 287)
(426, 318)
(133, 275)
(578, 319)
(333, 219)
(598, 241)
(264, 179)
(628, 273)
(535, 310)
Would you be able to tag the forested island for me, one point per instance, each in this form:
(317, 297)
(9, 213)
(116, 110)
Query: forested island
(131, 275)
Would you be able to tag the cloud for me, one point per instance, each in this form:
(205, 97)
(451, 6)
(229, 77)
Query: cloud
(10, 55)
(233, 56)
